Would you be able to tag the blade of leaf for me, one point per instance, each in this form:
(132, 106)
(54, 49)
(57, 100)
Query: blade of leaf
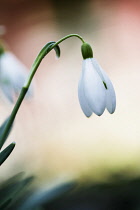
(5, 204)
(45, 196)
(4, 135)
(13, 188)
(6, 152)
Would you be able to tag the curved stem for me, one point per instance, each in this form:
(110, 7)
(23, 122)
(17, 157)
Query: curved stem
(66, 37)
(42, 54)
(45, 50)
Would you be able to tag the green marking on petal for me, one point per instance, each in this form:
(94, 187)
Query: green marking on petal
(105, 85)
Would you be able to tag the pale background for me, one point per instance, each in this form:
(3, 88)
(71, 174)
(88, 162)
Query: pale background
(52, 134)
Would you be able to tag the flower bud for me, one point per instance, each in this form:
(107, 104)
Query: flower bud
(86, 51)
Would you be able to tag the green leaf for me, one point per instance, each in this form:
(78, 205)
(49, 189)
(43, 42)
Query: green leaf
(6, 152)
(5, 204)
(13, 189)
(44, 196)
(4, 133)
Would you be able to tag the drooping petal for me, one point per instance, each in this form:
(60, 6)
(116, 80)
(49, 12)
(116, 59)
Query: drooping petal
(82, 99)
(93, 88)
(110, 95)
(110, 92)
(111, 99)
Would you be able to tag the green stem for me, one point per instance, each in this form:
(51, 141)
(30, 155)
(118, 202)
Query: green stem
(66, 37)
(42, 54)
(10, 121)
(25, 88)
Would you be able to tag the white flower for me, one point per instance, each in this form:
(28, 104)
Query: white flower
(12, 75)
(95, 89)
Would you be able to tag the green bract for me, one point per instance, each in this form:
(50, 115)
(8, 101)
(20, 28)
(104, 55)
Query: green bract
(1, 50)
(86, 51)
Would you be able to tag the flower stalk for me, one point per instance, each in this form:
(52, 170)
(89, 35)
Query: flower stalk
(45, 50)
(95, 89)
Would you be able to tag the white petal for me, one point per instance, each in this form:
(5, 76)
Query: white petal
(8, 92)
(110, 92)
(110, 95)
(82, 99)
(93, 88)
(12, 74)
(11, 67)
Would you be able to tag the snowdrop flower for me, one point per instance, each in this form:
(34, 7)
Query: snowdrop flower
(95, 90)
(12, 75)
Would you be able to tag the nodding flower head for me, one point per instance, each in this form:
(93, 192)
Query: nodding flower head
(95, 90)
(12, 75)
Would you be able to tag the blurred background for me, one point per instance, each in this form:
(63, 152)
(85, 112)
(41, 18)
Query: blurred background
(53, 137)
